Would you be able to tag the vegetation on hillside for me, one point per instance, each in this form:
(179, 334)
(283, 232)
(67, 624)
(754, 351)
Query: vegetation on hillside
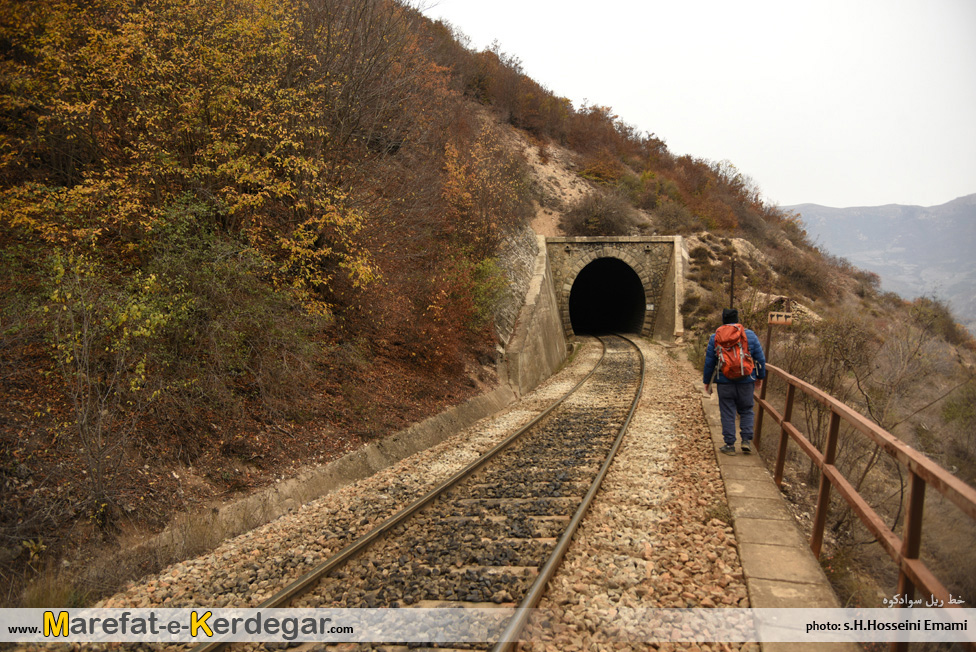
(225, 218)
(233, 230)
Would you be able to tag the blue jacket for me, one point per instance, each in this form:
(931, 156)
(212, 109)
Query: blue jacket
(755, 350)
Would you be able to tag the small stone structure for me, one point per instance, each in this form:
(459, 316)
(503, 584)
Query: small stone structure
(656, 260)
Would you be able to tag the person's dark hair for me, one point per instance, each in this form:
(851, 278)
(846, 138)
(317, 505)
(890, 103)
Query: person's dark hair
(730, 316)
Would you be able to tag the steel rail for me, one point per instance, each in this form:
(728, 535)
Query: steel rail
(308, 581)
(509, 636)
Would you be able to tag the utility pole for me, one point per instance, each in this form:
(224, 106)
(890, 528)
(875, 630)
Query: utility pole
(732, 285)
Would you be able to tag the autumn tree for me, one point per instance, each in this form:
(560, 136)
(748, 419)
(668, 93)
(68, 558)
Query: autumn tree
(100, 334)
(262, 140)
(268, 111)
(485, 190)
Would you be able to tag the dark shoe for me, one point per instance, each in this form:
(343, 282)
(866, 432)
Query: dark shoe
(727, 449)
(746, 447)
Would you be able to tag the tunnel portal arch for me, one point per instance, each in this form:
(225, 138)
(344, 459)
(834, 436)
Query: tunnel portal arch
(607, 296)
(642, 273)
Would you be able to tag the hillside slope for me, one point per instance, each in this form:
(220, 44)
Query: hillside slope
(916, 250)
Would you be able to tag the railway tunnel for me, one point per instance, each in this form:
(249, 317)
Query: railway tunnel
(623, 284)
(607, 297)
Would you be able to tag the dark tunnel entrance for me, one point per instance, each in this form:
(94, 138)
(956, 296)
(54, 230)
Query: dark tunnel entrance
(607, 296)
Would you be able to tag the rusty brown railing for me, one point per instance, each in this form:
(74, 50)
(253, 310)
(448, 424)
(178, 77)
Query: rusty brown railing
(904, 550)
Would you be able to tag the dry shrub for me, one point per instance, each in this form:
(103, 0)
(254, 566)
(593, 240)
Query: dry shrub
(959, 416)
(704, 313)
(602, 167)
(939, 321)
(807, 272)
(600, 213)
(235, 341)
(649, 190)
(52, 589)
(674, 217)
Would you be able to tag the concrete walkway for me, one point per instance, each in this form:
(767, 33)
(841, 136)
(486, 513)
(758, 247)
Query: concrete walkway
(780, 569)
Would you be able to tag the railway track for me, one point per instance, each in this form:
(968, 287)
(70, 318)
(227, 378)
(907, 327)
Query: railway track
(494, 533)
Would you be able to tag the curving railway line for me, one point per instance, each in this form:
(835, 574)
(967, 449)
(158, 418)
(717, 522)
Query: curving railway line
(654, 536)
(494, 533)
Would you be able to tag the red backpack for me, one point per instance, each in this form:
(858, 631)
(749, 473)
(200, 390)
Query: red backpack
(732, 348)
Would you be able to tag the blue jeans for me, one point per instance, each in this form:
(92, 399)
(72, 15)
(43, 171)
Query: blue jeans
(736, 398)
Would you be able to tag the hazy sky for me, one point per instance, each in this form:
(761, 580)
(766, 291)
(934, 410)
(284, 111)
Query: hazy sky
(834, 102)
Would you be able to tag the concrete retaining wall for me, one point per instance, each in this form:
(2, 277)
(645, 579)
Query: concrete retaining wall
(538, 346)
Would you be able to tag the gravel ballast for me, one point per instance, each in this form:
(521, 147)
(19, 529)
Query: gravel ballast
(657, 536)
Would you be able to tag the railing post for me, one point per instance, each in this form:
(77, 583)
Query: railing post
(912, 539)
(757, 435)
(783, 437)
(769, 338)
(911, 543)
(823, 496)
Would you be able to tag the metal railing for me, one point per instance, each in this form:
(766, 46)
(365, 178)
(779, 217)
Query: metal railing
(904, 550)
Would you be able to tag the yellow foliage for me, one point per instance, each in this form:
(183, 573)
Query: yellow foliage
(484, 188)
(308, 253)
(118, 108)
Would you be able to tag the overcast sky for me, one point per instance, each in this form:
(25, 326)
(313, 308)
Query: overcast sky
(834, 102)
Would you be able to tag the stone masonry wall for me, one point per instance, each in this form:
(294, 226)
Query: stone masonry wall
(651, 257)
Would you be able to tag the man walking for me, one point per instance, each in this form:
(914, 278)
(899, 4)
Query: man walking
(737, 359)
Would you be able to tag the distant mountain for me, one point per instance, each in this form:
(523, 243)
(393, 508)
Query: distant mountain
(915, 250)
